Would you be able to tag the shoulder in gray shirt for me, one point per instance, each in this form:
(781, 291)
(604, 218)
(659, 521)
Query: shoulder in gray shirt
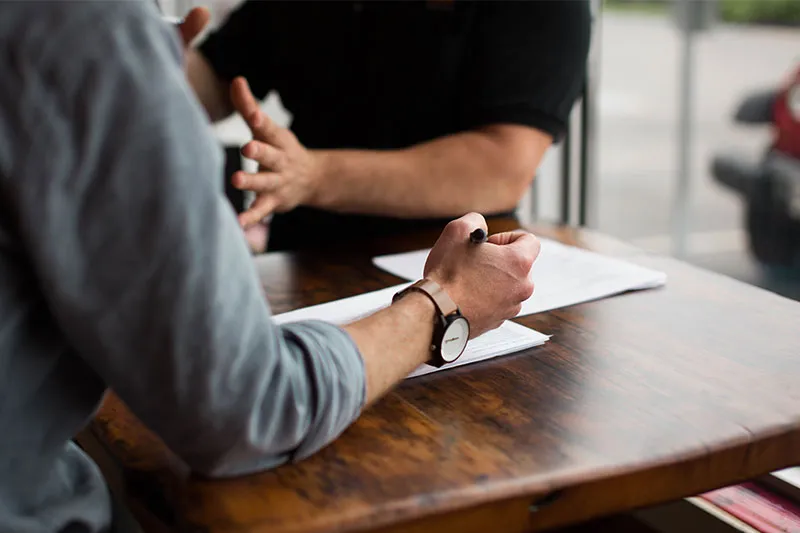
(122, 266)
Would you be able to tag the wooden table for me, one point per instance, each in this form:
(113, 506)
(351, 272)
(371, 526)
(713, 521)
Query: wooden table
(637, 399)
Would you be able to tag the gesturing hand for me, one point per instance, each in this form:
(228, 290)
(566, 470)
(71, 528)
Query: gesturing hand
(487, 281)
(287, 172)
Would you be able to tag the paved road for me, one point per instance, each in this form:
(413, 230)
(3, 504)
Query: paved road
(638, 143)
(638, 117)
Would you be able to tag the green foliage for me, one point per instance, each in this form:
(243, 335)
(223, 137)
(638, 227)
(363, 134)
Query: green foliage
(769, 11)
(741, 11)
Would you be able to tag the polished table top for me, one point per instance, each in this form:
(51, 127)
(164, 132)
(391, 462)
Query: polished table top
(637, 399)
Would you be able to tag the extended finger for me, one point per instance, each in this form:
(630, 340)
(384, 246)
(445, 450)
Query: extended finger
(265, 154)
(507, 237)
(258, 182)
(261, 207)
(193, 24)
(527, 244)
(261, 126)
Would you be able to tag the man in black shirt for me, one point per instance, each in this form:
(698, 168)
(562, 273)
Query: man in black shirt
(403, 111)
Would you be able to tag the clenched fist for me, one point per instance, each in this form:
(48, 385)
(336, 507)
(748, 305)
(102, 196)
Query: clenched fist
(487, 281)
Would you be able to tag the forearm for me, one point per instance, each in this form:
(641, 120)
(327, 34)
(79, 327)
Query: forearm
(393, 342)
(212, 92)
(469, 171)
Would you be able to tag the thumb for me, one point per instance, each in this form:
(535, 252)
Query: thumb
(459, 229)
(193, 24)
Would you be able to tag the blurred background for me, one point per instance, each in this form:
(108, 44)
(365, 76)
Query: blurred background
(740, 47)
(666, 79)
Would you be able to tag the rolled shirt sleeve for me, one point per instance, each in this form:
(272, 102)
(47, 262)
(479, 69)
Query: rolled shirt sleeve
(142, 262)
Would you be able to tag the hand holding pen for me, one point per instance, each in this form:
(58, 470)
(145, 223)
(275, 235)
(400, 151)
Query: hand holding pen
(486, 276)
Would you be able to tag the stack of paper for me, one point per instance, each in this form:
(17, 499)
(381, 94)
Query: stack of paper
(563, 275)
(506, 339)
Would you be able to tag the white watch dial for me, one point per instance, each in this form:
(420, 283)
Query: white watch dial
(455, 339)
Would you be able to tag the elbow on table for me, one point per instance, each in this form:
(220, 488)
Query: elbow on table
(292, 410)
(221, 468)
(249, 449)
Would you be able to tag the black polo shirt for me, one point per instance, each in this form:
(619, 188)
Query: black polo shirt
(386, 75)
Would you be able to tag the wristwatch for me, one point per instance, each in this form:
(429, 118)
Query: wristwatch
(450, 329)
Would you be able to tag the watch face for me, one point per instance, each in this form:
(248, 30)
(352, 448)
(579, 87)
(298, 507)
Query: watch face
(455, 339)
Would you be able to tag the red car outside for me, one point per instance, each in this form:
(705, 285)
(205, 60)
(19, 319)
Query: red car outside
(770, 186)
(786, 113)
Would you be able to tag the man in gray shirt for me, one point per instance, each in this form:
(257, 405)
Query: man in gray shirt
(122, 266)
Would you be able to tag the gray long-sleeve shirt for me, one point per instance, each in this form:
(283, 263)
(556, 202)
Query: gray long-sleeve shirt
(122, 266)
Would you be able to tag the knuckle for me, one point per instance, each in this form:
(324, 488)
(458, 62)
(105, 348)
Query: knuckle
(529, 251)
(276, 132)
(527, 262)
(535, 248)
(527, 257)
(525, 291)
(520, 264)
(458, 226)
(474, 219)
(529, 289)
(264, 153)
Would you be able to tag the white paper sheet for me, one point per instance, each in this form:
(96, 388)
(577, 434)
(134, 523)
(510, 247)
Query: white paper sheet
(563, 275)
(508, 338)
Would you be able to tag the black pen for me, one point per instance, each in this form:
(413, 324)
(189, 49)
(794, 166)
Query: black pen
(478, 236)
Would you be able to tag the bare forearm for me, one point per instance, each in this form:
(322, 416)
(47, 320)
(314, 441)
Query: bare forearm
(469, 171)
(393, 342)
(210, 90)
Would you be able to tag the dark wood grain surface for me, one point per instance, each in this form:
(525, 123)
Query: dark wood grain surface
(637, 399)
